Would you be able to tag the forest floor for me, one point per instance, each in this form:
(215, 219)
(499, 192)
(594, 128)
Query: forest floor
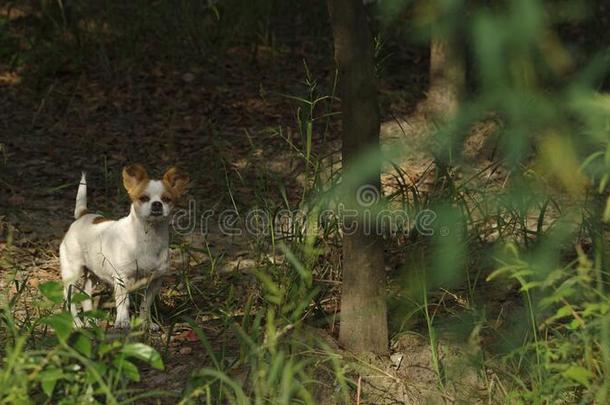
(229, 122)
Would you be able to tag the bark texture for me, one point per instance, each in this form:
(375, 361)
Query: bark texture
(363, 325)
(447, 77)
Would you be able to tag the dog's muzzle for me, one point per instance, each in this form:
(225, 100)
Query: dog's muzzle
(156, 209)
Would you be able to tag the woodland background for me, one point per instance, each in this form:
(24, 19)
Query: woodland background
(493, 115)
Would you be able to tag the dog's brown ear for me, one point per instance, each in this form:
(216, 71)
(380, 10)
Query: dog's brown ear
(176, 180)
(133, 177)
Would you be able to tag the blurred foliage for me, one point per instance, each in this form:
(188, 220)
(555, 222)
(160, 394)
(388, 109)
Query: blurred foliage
(537, 69)
(69, 366)
(553, 142)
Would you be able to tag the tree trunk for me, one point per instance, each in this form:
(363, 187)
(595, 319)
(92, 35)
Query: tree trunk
(447, 77)
(363, 325)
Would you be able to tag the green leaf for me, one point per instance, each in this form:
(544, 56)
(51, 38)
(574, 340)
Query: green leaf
(529, 285)
(303, 272)
(127, 368)
(62, 323)
(579, 374)
(145, 353)
(83, 345)
(575, 324)
(607, 156)
(48, 380)
(240, 396)
(53, 290)
(603, 183)
(104, 348)
(78, 297)
(590, 159)
(273, 292)
(98, 367)
(594, 309)
(276, 368)
(606, 216)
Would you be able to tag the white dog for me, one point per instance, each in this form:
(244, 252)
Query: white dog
(125, 252)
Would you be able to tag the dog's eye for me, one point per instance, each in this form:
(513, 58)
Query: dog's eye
(166, 199)
(144, 198)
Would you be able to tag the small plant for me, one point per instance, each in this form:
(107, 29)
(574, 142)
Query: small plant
(565, 357)
(279, 359)
(70, 366)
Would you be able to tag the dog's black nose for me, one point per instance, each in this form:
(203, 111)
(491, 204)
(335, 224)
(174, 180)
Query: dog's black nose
(156, 207)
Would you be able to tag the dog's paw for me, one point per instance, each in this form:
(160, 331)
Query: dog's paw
(153, 327)
(92, 323)
(121, 325)
(78, 323)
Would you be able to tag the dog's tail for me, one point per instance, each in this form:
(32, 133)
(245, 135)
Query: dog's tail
(81, 198)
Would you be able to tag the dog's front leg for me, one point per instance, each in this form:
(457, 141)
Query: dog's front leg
(149, 297)
(121, 299)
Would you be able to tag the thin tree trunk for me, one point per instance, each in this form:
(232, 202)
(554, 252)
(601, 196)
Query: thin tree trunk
(363, 325)
(447, 77)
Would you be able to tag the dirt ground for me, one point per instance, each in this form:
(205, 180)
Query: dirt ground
(220, 119)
